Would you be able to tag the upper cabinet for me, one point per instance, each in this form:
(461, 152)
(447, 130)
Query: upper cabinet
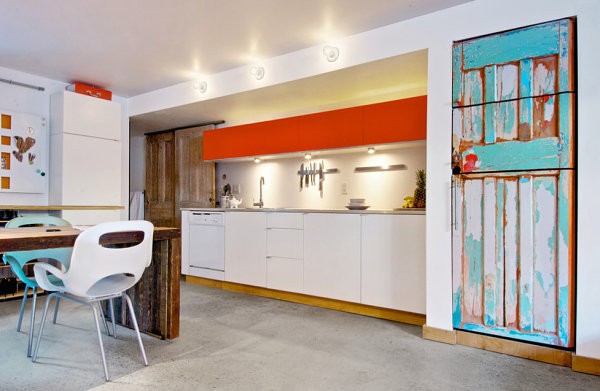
(388, 122)
(85, 116)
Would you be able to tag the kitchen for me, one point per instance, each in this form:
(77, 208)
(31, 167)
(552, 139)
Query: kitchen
(356, 51)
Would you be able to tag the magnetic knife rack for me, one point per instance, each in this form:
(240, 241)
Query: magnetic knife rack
(327, 171)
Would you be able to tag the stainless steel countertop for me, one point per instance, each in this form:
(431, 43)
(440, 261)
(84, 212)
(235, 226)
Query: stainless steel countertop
(406, 211)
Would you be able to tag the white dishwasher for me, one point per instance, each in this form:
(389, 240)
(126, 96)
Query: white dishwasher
(206, 244)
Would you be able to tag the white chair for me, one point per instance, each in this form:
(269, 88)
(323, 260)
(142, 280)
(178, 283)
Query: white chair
(99, 273)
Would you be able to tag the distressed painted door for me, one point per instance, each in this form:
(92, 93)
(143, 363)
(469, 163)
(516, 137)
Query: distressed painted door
(513, 100)
(513, 137)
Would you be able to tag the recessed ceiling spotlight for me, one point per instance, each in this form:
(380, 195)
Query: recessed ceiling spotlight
(256, 160)
(307, 156)
(258, 72)
(331, 53)
(371, 150)
(200, 85)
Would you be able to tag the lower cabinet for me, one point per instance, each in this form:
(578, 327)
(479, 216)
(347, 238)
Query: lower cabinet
(285, 274)
(285, 264)
(332, 255)
(393, 262)
(245, 248)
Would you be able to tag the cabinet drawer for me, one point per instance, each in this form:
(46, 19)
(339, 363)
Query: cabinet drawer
(285, 243)
(285, 274)
(285, 220)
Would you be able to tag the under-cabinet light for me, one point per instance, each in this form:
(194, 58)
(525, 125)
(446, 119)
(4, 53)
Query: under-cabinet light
(371, 150)
(256, 160)
(307, 156)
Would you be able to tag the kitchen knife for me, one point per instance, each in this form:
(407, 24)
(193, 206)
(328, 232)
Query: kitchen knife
(301, 175)
(306, 177)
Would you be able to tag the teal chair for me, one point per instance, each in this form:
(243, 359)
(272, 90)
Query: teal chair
(18, 259)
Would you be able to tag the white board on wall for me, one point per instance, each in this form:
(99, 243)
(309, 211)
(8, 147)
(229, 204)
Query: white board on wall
(22, 153)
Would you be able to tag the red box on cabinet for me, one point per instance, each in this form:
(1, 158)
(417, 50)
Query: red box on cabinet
(85, 89)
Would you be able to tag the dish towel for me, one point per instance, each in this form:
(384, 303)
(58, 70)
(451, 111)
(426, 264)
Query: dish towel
(136, 205)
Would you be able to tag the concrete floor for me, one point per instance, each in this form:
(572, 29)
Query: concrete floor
(231, 341)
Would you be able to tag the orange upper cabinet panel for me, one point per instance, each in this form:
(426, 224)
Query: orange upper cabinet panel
(261, 138)
(330, 129)
(396, 121)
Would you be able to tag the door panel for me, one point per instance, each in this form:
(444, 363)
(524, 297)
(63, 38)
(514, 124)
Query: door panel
(160, 180)
(512, 265)
(507, 89)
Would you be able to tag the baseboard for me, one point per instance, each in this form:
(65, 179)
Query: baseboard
(586, 365)
(339, 305)
(514, 348)
(439, 335)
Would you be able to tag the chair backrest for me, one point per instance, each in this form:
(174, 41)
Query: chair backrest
(91, 262)
(18, 259)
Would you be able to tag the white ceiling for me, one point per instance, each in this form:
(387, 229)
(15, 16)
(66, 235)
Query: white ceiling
(135, 46)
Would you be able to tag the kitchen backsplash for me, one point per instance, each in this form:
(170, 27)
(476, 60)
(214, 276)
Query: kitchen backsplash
(382, 190)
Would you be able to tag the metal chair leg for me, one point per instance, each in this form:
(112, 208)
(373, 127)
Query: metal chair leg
(100, 341)
(103, 318)
(112, 316)
(135, 326)
(37, 345)
(56, 310)
(30, 341)
(22, 308)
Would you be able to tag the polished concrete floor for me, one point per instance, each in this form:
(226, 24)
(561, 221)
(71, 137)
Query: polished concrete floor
(231, 341)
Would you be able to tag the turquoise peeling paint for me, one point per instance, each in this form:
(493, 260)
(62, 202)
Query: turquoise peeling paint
(456, 75)
(525, 308)
(535, 41)
(526, 76)
(503, 332)
(500, 249)
(565, 129)
(489, 303)
(475, 88)
(563, 57)
(473, 252)
(517, 155)
(456, 318)
(563, 314)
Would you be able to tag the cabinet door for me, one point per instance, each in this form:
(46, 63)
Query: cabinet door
(284, 274)
(398, 120)
(285, 243)
(393, 262)
(245, 248)
(330, 129)
(88, 116)
(332, 255)
(91, 170)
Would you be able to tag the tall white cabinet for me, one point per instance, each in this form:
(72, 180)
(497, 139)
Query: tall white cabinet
(85, 156)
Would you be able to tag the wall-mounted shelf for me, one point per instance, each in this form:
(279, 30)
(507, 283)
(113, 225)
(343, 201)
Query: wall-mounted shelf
(394, 167)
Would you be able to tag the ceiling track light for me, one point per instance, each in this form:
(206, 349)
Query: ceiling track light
(200, 85)
(258, 72)
(331, 53)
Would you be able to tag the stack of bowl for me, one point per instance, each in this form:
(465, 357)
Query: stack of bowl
(357, 204)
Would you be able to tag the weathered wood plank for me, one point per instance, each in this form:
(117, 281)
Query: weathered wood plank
(566, 130)
(457, 75)
(565, 261)
(491, 95)
(472, 267)
(511, 246)
(489, 252)
(544, 252)
(457, 250)
(525, 253)
(499, 255)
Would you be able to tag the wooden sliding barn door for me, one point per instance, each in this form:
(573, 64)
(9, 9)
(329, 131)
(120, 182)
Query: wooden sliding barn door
(176, 176)
(513, 188)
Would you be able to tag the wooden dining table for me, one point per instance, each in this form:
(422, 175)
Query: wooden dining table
(155, 297)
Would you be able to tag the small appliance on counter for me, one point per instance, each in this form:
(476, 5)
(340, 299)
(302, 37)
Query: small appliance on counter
(357, 204)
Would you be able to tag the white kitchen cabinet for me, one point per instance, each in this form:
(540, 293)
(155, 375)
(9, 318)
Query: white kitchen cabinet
(85, 115)
(85, 155)
(285, 248)
(393, 262)
(245, 248)
(332, 255)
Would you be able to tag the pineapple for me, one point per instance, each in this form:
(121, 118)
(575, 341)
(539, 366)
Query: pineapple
(420, 190)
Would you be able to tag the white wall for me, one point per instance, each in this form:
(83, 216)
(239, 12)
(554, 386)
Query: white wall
(435, 32)
(382, 190)
(137, 159)
(26, 100)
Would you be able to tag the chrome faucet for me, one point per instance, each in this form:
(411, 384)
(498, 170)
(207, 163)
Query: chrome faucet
(260, 202)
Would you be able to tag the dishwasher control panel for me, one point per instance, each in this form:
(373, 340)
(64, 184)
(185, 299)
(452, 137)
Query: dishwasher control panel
(207, 218)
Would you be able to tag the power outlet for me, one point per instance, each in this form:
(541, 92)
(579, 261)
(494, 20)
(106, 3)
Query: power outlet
(344, 188)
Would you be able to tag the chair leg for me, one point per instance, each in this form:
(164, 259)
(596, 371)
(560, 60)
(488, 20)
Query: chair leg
(56, 310)
(37, 344)
(30, 341)
(135, 326)
(100, 341)
(22, 308)
(112, 316)
(103, 318)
